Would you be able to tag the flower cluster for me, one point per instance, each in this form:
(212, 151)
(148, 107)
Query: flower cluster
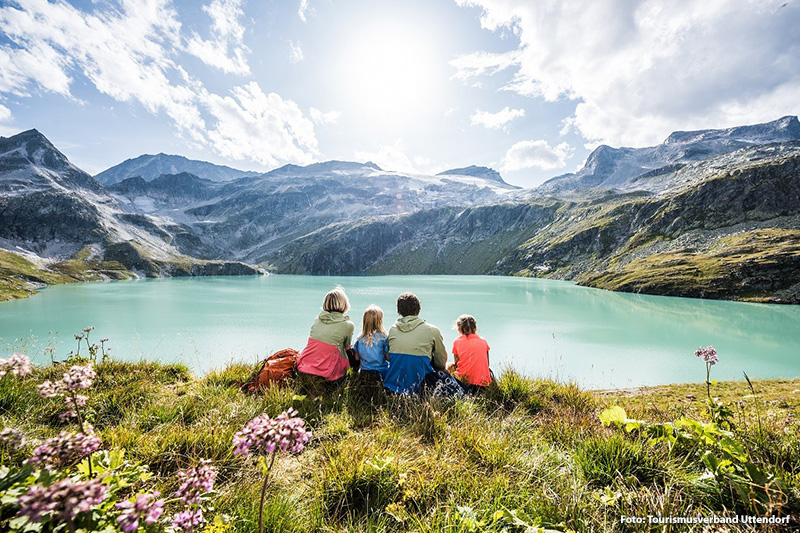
(145, 507)
(76, 378)
(79, 377)
(65, 449)
(16, 364)
(709, 355)
(264, 435)
(188, 520)
(12, 438)
(64, 499)
(196, 481)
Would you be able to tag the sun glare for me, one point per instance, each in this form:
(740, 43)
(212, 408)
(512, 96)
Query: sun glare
(390, 73)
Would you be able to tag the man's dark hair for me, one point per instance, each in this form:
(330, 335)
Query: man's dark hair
(408, 304)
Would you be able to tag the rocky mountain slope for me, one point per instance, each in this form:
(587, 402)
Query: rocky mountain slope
(253, 218)
(610, 168)
(58, 224)
(713, 213)
(149, 167)
(725, 228)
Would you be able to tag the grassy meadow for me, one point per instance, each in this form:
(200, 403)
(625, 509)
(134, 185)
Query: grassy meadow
(528, 454)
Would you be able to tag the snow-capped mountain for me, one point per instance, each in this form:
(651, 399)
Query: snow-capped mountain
(610, 168)
(29, 162)
(51, 211)
(252, 217)
(473, 171)
(149, 167)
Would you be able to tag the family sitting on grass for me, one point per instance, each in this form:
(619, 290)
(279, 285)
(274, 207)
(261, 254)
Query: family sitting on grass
(410, 357)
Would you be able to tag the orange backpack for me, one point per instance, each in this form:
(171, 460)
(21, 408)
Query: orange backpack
(274, 370)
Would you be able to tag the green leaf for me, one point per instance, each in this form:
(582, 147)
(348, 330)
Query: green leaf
(613, 415)
(21, 523)
(116, 458)
(83, 468)
(631, 424)
(11, 477)
(710, 461)
(733, 448)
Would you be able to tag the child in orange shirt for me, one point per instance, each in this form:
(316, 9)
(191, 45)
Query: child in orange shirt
(471, 355)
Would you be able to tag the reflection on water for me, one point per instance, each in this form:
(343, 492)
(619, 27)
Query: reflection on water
(541, 327)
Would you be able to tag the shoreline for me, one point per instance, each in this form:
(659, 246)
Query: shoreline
(16, 288)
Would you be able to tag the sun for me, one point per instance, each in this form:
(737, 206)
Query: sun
(390, 73)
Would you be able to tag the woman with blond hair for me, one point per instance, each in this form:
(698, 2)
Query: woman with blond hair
(325, 354)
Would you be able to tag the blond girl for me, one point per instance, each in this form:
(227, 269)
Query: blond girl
(371, 347)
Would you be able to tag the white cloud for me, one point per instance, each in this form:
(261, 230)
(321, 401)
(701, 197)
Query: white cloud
(295, 52)
(567, 125)
(472, 66)
(389, 157)
(5, 118)
(422, 161)
(262, 127)
(124, 54)
(536, 154)
(496, 120)
(128, 54)
(639, 70)
(226, 33)
(322, 118)
(303, 9)
(40, 63)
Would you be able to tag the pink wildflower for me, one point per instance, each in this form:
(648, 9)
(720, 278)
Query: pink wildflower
(79, 377)
(188, 520)
(709, 355)
(74, 379)
(12, 438)
(263, 435)
(196, 481)
(63, 500)
(48, 389)
(146, 507)
(65, 449)
(16, 364)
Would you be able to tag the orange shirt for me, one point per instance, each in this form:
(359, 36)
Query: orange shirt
(473, 359)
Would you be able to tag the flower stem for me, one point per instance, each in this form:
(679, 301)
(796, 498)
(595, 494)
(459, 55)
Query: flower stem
(264, 493)
(83, 428)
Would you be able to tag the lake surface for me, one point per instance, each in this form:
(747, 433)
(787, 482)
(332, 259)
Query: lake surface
(540, 327)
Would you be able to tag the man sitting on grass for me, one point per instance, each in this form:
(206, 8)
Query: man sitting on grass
(415, 348)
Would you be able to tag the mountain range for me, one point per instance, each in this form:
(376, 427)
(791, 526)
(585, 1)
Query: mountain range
(149, 167)
(711, 213)
(610, 168)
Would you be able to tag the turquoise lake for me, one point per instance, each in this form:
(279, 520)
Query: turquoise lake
(540, 327)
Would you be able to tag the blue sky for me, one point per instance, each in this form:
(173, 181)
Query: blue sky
(528, 88)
